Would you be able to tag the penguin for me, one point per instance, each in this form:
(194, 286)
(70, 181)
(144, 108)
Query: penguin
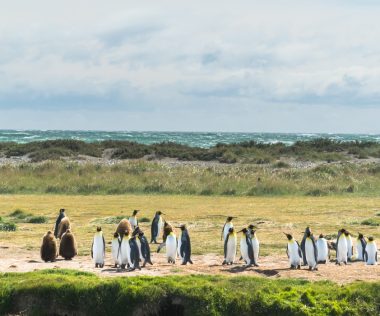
(226, 228)
(63, 226)
(133, 219)
(230, 244)
(145, 249)
(371, 252)
(135, 254)
(59, 218)
(171, 247)
(341, 248)
(255, 244)
(125, 251)
(167, 230)
(98, 248)
(322, 249)
(136, 233)
(246, 248)
(68, 246)
(303, 241)
(115, 249)
(156, 227)
(350, 247)
(294, 252)
(360, 247)
(311, 252)
(124, 226)
(49, 247)
(184, 245)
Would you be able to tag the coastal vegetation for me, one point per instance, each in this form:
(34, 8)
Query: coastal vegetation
(251, 152)
(64, 292)
(153, 177)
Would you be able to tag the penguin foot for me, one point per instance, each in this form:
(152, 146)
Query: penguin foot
(191, 262)
(224, 262)
(122, 266)
(183, 263)
(256, 265)
(299, 267)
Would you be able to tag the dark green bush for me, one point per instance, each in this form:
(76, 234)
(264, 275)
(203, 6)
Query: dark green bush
(36, 219)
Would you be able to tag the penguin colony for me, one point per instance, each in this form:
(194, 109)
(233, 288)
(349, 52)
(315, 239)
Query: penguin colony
(130, 248)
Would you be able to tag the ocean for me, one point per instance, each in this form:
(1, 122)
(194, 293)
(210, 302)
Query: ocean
(199, 139)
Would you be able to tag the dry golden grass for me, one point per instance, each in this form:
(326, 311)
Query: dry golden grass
(204, 216)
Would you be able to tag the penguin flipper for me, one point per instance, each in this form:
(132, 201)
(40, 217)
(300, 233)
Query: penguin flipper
(300, 253)
(287, 251)
(315, 249)
(92, 249)
(104, 246)
(225, 245)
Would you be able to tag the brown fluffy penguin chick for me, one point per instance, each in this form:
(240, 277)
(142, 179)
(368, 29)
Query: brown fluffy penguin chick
(64, 226)
(68, 246)
(49, 247)
(167, 230)
(123, 227)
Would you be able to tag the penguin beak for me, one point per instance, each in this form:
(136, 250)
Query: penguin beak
(285, 234)
(240, 231)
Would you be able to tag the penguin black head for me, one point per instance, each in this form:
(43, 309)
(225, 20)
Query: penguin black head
(230, 218)
(160, 213)
(61, 210)
(308, 233)
(135, 212)
(321, 236)
(307, 230)
(370, 238)
(182, 227)
(251, 226)
(360, 236)
(346, 233)
(141, 233)
(290, 237)
(244, 231)
(115, 235)
(136, 231)
(49, 232)
(342, 230)
(98, 229)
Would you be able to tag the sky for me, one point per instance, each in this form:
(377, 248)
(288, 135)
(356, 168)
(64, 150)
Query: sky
(244, 66)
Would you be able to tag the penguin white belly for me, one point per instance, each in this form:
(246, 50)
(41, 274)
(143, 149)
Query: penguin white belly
(125, 251)
(179, 247)
(98, 250)
(359, 250)
(256, 248)
(310, 253)
(349, 248)
(133, 222)
(342, 250)
(244, 250)
(226, 229)
(115, 251)
(294, 257)
(371, 250)
(231, 250)
(159, 226)
(171, 247)
(323, 250)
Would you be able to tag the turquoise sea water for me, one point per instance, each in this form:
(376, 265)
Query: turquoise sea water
(200, 139)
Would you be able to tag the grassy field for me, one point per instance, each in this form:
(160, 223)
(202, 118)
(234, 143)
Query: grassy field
(143, 177)
(70, 292)
(204, 216)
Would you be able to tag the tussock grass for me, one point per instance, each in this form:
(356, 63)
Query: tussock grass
(371, 222)
(146, 177)
(73, 292)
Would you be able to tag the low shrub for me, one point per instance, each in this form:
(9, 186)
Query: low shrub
(36, 219)
(371, 222)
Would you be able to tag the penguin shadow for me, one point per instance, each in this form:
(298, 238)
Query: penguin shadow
(238, 269)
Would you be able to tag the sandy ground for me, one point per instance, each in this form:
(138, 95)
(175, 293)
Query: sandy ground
(20, 260)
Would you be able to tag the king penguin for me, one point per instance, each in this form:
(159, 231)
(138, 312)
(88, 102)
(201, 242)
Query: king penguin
(145, 249)
(68, 246)
(294, 252)
(311, 252)
(58, 221)
(350, 247)
(255, 244)
(184, 245)
(230, 243)
(323, 249)
(135, 254)
(133, 219)
(171, 247)
(49, 247)
(341, 248)
(98, 249)
(125, 251)
(246, 249)
(226, 228)
(360, 247)
(303, 241)
(156, 227)
(115, 249)
(371, 252)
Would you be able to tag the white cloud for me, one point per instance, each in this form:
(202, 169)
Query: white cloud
(251, 57)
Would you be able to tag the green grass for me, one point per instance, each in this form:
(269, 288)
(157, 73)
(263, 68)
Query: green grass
(144, 177)
(20, 216)
(68, 292)
(371, 222)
